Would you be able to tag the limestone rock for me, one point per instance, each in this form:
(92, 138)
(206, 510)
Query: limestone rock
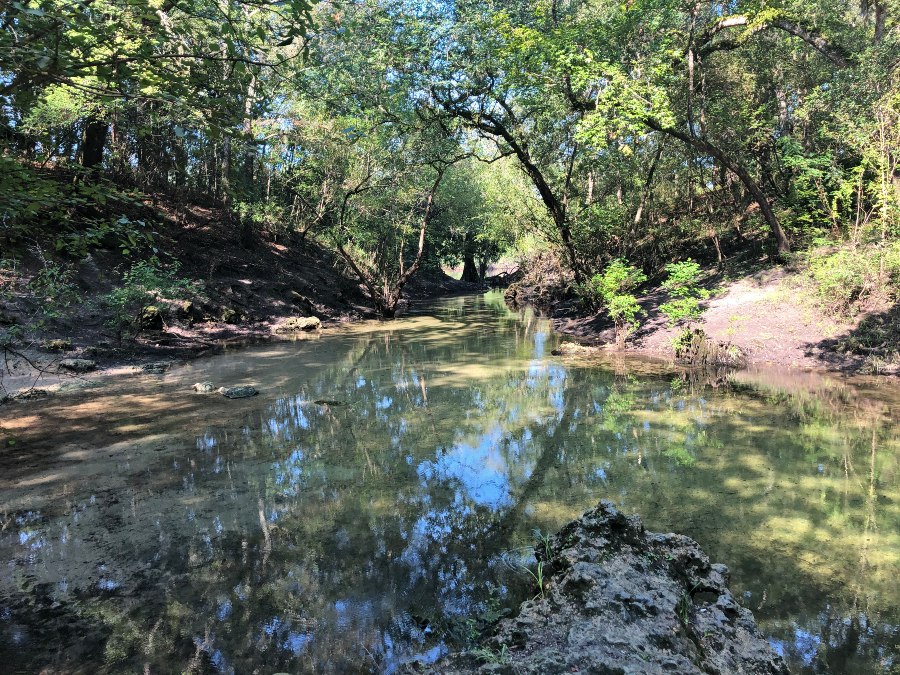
(151, 319)
(31, 395)
(78, 365)
(574, 349)
(299, 323)
(204, 387)
(59, 345)
(619, 599)
(237, 392)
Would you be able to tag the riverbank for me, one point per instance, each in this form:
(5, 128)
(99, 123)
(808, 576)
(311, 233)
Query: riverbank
(765, 311)
(241, 295)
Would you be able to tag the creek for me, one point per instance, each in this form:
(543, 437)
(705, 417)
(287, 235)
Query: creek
(378, 501)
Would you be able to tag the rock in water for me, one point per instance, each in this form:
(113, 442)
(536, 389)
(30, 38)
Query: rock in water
(574, 349)
(297, 324)
(619, 599)
(238, 392)
(204, 387)
(77, 365)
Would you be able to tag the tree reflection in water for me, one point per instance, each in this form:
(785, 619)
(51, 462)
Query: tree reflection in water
(383, 506)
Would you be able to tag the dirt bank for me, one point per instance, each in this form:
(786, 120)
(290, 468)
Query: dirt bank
(245, 292)
(765, 310)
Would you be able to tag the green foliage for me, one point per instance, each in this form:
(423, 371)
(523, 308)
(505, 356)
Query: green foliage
(130, 236)
(613, 290)
(617, 279)
(79, 215)
(683, 284)
(143, 284)
(847, 278)
(54, 286)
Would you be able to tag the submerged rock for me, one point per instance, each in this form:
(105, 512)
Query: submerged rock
(237, 392)
(204, 387)
(574, 349)
(78, 385)
(619, 599)
(31, 395)
(78, 365)
(326, 402)
(299, 323)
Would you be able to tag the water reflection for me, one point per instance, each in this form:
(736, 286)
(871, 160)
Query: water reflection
(376, 502)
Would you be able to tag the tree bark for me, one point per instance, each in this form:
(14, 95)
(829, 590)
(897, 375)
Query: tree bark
(94, 143)
(470, 269)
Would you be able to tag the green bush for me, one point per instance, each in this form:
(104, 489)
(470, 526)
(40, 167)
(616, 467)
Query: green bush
(144, 284)
(682, 283)
(845, 279)
(612, 290)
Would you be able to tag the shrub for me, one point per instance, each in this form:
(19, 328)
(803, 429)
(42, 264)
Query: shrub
(682, 283)
(847, 278)
(612, 290)
(143, 284)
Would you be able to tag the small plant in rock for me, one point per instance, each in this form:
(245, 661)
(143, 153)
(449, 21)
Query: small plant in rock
(144, 284)
(543, 541)
(613, 289)
(538, 576)
(487, 655)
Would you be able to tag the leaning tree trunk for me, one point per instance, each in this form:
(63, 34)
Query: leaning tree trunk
(738, 170)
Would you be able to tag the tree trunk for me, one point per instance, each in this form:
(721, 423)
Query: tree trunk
(388, 297)
(738, 170)
(470, 269)
(94, 143)
(554, 205)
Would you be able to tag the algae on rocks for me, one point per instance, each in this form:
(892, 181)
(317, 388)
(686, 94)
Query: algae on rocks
(78, 365)
(237, 392)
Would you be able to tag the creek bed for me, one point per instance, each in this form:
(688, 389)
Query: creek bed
(377, 500)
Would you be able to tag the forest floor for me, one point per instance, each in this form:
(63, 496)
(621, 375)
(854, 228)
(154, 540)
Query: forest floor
(245, 293)
(766, 310)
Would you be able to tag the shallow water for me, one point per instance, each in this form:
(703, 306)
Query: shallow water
(145, 528)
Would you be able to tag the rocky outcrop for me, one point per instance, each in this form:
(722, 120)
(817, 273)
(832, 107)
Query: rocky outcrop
(237, 392)
(78, 365)
(619, 599)
(298, 324)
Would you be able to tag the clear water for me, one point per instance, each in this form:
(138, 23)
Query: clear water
(145, 528)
